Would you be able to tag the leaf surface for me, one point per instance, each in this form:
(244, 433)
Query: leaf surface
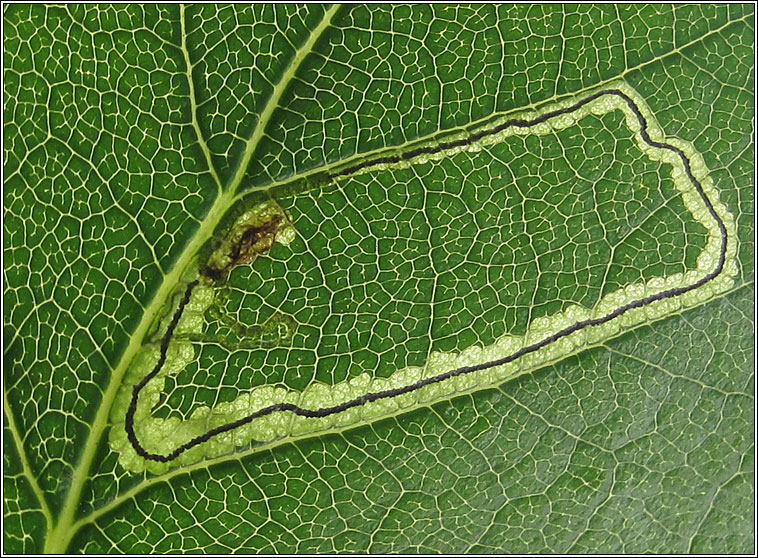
(137, 137)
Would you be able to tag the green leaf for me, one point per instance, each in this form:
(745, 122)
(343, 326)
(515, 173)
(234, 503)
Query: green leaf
(211, 210)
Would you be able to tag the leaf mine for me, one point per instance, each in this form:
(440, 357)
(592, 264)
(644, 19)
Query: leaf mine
(268, 410)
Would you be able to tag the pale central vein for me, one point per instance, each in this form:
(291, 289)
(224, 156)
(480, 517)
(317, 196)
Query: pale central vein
(58, 539)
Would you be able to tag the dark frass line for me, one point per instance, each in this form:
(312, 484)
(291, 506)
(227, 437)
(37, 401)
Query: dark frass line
(376, 396)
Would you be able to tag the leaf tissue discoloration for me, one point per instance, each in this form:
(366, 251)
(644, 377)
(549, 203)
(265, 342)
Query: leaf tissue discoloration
(253, 234)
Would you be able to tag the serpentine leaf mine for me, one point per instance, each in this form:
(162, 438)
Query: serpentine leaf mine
(288, 326)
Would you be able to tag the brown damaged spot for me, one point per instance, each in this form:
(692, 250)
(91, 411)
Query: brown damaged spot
(255, 240)
(254, 235)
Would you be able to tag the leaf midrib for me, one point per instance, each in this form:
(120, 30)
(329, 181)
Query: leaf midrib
(60, 536)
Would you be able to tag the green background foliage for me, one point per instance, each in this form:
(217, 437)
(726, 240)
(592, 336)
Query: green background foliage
(127, 131)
